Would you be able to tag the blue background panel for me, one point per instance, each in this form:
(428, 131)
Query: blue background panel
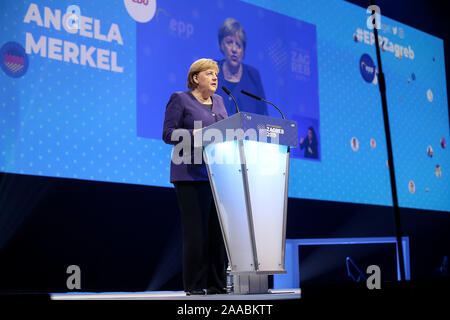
(64, 119)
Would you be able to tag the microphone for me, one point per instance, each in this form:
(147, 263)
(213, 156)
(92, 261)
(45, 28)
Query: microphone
(229, 93)
(261, 99)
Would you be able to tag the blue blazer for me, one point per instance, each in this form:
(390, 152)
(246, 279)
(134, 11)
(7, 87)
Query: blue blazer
(181, 112)
(250, 82)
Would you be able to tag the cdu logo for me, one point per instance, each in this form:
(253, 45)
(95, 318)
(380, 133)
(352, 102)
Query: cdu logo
(13, 59)
(141, 10)
(367, 68)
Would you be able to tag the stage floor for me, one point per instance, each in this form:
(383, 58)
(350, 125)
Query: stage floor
(279, 294)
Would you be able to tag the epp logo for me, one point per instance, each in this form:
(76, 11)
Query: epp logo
(13, 59)
(367, 68)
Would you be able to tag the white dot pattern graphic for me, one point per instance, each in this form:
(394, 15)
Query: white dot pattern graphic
(68, 120)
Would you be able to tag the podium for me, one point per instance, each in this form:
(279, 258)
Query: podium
(247, 159)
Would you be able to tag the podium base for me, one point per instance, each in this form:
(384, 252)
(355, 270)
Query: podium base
(250, 283)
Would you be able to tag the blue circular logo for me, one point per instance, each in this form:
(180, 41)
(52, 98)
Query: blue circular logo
(13, 59)
(367, 68)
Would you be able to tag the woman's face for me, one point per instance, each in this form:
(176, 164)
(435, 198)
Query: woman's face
(310, 134)
(206, 80)
(233, 50)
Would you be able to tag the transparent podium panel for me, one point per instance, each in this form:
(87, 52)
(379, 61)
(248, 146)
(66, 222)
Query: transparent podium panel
(249, 175)
(266, 172)
(224, 168)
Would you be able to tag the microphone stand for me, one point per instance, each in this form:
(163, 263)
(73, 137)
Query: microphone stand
(282, 115)
(397, 218)
(261, 99)
(229, 94)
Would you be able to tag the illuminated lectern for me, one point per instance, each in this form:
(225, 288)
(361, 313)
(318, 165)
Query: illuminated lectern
(247, 157)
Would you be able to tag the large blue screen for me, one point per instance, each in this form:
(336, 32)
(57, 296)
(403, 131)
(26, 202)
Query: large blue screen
(84, 86)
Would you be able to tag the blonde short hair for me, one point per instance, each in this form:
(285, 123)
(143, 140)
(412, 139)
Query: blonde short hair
(230, 27)
(199, 66)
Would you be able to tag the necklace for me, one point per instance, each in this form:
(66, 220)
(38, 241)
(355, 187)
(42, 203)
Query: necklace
(233, 77)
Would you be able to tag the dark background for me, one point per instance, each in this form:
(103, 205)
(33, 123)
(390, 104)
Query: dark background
(128, 237)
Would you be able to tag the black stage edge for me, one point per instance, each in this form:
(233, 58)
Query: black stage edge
(354, 301)
(128, 237)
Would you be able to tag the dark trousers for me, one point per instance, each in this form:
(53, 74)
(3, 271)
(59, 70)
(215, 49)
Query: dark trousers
(204, 255)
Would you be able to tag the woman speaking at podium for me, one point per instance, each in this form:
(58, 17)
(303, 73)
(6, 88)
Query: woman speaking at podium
(204, 258)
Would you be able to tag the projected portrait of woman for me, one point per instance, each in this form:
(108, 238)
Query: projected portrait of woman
(438, 171)
(309, 143)
(236, 75)
(354, 143)
(411, 187)
(430, 151)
